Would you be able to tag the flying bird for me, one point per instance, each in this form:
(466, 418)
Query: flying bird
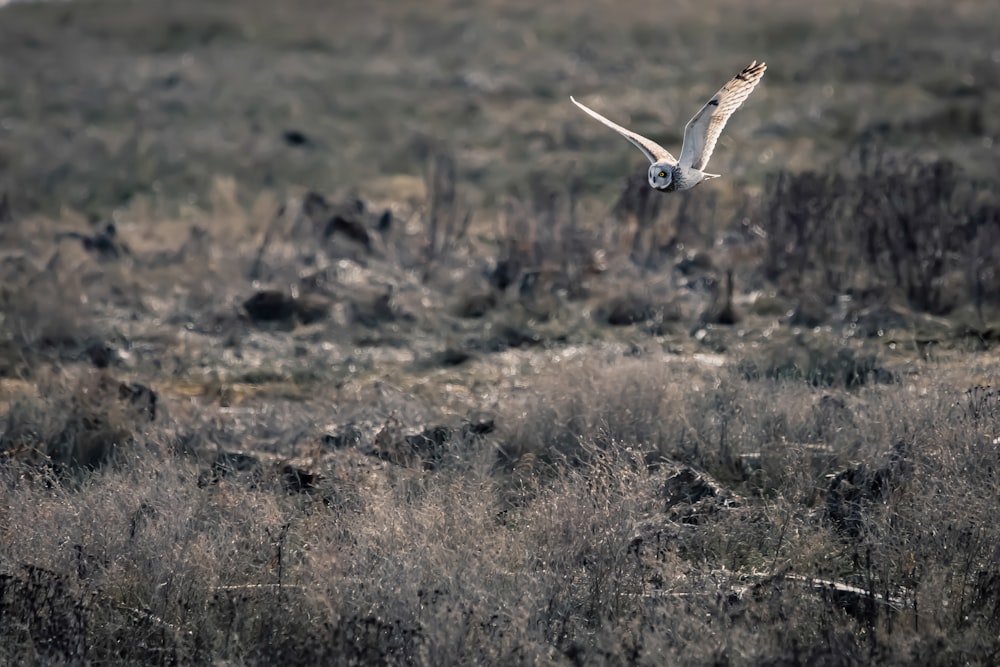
(667, 173)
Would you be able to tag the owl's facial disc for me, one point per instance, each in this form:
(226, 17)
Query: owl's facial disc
(660, 177)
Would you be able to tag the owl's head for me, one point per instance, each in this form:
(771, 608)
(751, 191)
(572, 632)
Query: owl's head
(661, 176)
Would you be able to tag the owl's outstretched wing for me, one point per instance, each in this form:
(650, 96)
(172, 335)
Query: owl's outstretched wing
(652, 150)
(703, 130)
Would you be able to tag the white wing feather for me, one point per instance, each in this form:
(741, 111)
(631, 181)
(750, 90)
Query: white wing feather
(703, 130)
(652, 150)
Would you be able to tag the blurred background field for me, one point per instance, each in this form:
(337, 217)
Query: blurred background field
(331, 332)
(103, 102)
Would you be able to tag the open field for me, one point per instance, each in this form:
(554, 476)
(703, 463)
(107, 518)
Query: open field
(332, 333)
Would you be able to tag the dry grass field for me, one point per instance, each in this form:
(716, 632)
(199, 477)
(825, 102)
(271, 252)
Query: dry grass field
(332, 333)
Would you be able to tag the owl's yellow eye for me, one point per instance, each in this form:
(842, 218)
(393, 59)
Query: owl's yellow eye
(662, 174)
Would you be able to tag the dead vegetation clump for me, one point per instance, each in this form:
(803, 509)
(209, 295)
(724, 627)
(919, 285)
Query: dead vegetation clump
(80, 426)
(41, 319)
(651, 515)
(543, 244)
(884, 225)
(818, 362)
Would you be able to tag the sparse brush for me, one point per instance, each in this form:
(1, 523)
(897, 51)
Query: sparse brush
(79, 427)
(447, 219)
(667, 513)
(816, 362)
(41, 320)
(650, 229)
(913, 223)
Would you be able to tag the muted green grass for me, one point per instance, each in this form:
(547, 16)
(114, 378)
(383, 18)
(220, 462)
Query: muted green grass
(103, 101)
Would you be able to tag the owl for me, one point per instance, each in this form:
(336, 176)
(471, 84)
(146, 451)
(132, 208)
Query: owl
(667, 173)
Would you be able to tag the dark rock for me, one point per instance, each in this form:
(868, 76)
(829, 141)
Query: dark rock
(100, 353)
(426, 448)
(141, 397)
(278, 306)
(104, 244)
(479, 426)
(429, 445)
(430, 437)
(832, 403)
(692, 495)
(230, 462)
(384, 222)
(660, 328)
(348, 436)
(504, 275)
(297, 480)
(694, 262)
(350, 219)
(249, 467)
(352, 229)
(626, 310)
(270, 306)
(453, 357)
(376, 312)
(227, 464)
(170, 81)
(687, 486)
(474, 306)
(529, 283)
(295, 138)
(510, 335)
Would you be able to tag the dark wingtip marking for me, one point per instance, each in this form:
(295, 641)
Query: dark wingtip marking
(753, 68)
(713, 103)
